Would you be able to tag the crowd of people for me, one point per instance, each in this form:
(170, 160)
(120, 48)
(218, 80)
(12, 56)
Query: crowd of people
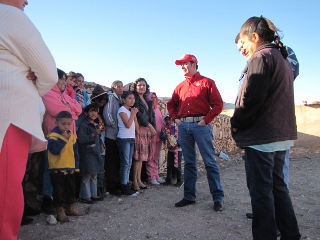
(111, 141)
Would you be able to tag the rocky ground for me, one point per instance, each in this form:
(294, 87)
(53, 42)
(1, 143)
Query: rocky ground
(152, 214)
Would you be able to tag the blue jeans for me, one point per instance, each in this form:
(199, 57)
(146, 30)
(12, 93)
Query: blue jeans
(286, 167)
(88, 186)
(189, 134)
(125, 146)
(270, 200)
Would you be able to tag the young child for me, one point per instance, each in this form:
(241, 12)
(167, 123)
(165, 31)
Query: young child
(127, 123)
(174, 151)
(91, 161)
(63, 160)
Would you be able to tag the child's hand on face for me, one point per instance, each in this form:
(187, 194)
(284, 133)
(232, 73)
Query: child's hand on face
(134, 110)
(66, 134)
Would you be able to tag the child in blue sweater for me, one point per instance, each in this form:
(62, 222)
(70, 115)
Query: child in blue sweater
(63, 161)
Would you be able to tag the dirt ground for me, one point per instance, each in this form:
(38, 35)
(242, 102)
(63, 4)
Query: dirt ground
(152, 215)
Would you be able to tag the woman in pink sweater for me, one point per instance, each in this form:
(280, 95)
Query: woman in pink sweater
(57, 100)
(153, 163)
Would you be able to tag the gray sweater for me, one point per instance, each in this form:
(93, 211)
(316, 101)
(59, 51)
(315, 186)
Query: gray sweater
(264, 111)
(110, 115)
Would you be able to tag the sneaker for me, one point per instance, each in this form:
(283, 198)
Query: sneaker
(249, 215)
(217, 206)
(160, 180)
(154, 182)
(184, 202)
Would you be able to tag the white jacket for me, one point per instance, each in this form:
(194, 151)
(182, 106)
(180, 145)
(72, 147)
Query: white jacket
(22, 49)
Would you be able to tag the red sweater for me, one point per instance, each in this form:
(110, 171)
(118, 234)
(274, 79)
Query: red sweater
(196, 96)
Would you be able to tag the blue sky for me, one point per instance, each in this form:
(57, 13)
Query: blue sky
(125, 39)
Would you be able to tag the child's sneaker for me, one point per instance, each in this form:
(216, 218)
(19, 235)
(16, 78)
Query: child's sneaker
(160, 180)
(154, 182)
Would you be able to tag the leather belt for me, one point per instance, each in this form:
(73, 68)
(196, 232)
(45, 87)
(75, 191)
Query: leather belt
(191, 119)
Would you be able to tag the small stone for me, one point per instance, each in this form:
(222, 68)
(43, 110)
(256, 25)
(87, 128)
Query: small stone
(51, 220)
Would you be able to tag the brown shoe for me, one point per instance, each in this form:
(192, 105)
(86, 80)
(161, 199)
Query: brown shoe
(73, 211)
(61, 216)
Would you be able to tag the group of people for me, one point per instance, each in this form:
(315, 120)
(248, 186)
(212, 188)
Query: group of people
(89, 140)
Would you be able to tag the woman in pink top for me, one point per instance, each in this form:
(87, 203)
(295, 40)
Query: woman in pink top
(57, 100)
(153, 163)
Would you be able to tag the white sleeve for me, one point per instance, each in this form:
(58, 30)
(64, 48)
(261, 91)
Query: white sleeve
(25, 42)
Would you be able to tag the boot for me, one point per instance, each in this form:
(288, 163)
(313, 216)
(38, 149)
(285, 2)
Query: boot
(61, 216)
(46, 206)
(126, 190)
(168, 182)
(179, 182)
(73, 211)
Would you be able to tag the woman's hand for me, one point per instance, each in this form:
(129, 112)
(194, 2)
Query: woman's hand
(152, 130)
(31, 76)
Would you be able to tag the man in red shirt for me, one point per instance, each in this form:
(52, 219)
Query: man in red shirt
(195, 102)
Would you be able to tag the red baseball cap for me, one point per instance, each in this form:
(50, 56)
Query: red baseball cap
(186, 58)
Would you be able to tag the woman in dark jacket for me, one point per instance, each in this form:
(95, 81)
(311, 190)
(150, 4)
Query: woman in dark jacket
(264, 125)
(145, 132)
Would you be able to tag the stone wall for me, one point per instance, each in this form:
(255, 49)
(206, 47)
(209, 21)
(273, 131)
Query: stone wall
(221, 132)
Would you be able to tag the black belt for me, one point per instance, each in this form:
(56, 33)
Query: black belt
(192, 119)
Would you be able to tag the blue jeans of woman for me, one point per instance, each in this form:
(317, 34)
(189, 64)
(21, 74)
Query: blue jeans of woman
(270, 200)
(189, 135)
(126, 147)
(88, 186)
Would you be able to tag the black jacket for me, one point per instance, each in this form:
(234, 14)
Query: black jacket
(145, 115)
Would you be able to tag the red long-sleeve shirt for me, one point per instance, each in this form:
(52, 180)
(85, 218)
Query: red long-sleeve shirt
(196, 96)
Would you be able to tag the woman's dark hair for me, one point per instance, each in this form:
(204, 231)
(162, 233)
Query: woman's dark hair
(265, 29)
(78, 75)
(91, 106)
(133, 87)
(63, 114)
(237, 39)
(125, 94)
(61, 73)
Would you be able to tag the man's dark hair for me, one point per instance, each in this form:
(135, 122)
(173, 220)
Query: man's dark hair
(193, 63)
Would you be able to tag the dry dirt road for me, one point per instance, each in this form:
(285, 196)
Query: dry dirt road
(152, 214)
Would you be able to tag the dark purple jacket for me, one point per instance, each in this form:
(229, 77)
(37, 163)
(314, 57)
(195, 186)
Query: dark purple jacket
(265, 111)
